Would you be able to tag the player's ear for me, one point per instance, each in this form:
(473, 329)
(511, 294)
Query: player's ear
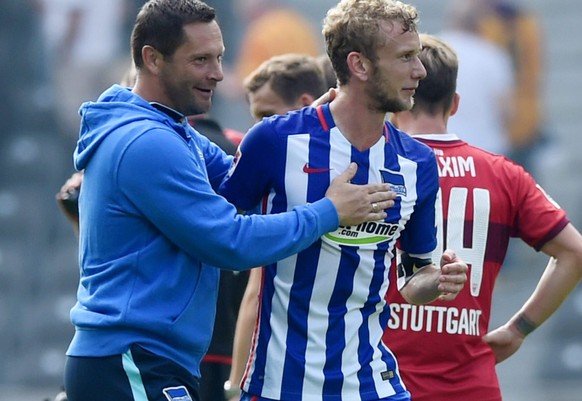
(359, 65)
(151, 58)
(306, 99)
(455, 105)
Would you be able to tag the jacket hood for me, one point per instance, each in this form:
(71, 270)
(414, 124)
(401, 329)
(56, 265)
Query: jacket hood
(116, 107)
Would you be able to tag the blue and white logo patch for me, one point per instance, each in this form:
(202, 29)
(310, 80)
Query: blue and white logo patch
(395, 181)
(177, 394)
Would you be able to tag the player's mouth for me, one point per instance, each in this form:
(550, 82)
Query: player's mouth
(206, 93)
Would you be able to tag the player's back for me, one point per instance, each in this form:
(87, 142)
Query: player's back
(484, 200)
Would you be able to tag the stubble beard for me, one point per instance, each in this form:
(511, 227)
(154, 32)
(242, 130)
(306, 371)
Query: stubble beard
(383, 102)
(182, 98)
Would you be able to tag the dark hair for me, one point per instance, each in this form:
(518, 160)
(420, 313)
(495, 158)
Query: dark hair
(328, 72)
(435, 93)
(290, 76)
(160, 23)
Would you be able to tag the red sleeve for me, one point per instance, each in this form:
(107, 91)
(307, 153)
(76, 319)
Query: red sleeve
(538, 218)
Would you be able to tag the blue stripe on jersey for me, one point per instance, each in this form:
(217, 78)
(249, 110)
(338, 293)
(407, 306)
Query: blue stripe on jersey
(319, 157)
(264, 331)
(335, 345)
(395, 381)
(280, 198)
(365, 350)
(306, 267)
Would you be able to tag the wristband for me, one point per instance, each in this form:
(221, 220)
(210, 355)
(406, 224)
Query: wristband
(524, 325)
(230, 390)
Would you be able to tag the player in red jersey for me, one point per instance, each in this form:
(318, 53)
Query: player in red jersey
(443, 349)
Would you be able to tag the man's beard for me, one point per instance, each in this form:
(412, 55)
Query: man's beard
(182, 99)
(380, 101)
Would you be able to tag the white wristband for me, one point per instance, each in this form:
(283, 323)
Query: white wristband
(230, 390)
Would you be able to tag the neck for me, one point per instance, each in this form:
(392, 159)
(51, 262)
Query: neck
(420, 124)
(149, 90)
(359, 125)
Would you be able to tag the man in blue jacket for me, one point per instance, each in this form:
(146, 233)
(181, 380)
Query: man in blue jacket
(152, 225)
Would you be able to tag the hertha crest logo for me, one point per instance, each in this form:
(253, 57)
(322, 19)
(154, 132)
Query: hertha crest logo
(395, 180)
(177, 394)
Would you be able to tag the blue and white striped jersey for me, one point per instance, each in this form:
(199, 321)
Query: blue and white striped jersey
(322, 311)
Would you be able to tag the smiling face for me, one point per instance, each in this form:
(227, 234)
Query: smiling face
(397, 71)
(189, 77)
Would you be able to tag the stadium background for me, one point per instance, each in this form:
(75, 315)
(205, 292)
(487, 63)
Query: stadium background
(38, 273)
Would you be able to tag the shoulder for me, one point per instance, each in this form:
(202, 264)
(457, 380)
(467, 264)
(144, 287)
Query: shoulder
(407, 146)
(300, 121)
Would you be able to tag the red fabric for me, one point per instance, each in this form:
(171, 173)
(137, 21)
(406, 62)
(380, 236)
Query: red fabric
(233, 135)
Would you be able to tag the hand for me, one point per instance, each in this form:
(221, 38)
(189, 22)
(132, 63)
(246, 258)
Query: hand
(325, 98)
(67, 198)
(453, 276)
(504, 341)
(356, 204)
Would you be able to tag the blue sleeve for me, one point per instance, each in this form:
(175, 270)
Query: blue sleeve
(419, 235)
(259, 150)
(167, 183)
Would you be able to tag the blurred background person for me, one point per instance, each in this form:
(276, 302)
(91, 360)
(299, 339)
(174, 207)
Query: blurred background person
(86, 47)
(327, 69)
(485, 81)
(516, 28)
(267, 28)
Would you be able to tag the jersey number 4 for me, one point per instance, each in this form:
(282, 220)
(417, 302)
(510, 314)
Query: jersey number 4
(454, 235)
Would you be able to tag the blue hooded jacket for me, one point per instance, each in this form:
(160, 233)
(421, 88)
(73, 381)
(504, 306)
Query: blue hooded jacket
(152, 226)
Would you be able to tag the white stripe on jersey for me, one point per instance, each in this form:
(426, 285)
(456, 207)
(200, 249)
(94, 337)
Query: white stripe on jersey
(277, 346)
(408, 170)
(297, 183)
(318, 323)
(295, 180)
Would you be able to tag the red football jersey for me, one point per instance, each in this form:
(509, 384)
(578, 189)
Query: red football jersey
(484, 200)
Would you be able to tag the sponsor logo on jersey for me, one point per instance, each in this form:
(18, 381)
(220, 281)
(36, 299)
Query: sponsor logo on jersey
(369, 233)
(314, 170)
(435, 319)
(177, 394)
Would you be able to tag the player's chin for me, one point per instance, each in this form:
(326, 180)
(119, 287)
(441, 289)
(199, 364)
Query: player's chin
(407, 103)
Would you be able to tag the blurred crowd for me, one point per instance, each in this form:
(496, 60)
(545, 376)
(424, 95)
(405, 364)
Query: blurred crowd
(56, 54)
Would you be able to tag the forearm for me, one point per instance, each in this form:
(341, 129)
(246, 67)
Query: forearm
(244, 327)
(559, 279)
(242, 343)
